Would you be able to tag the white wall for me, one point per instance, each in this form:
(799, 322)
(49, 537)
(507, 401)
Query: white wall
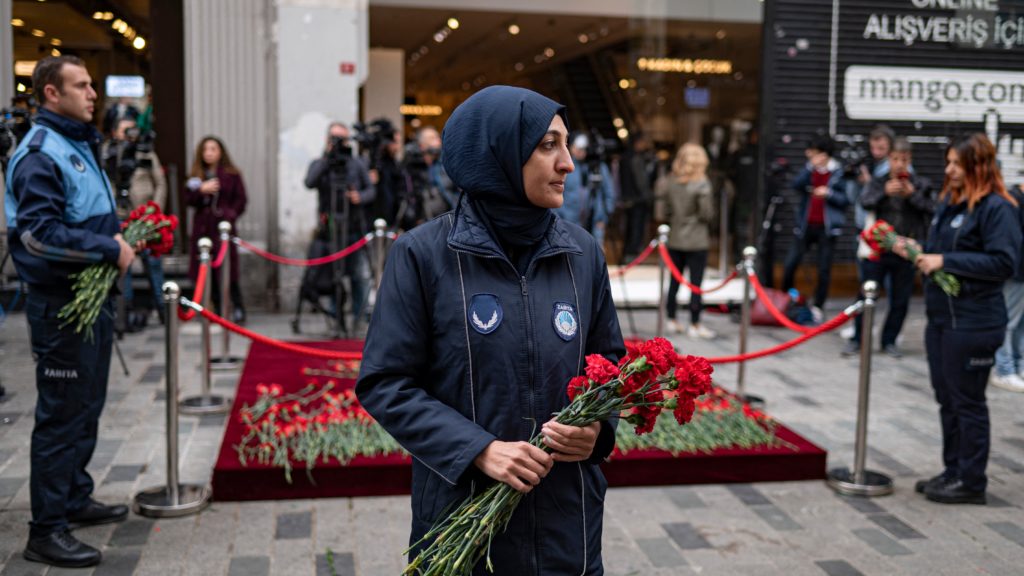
(313, 39)
(385, 87)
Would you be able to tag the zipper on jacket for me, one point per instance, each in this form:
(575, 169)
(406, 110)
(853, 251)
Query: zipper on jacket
(533, 415)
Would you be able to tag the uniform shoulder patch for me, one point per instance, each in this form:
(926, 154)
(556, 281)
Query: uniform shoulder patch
(77, 163)
(485, 313)
(565, 321)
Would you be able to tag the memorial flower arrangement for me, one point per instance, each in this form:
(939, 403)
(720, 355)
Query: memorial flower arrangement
(148, 224)
(650, 378)
(315, 423)
(881, 237)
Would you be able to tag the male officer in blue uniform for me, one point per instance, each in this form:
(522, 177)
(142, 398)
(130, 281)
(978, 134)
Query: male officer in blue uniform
(60, 215)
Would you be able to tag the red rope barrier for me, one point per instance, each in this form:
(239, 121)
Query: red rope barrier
(643, 256)
(220, 255)
(298, 349)
(298, 261)
(679, 275)
(826, 327)
(187, 314)
(781, 318)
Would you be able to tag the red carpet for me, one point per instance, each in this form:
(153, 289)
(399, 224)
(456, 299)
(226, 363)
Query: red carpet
(390, 475)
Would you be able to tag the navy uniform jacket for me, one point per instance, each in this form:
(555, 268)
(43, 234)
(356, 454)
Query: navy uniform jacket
(462, 350)
(981, 247)
(59, 204)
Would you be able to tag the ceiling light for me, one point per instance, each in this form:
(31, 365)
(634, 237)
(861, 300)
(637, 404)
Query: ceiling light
(424, 50)
(519, 66)
(720, 34)
(97, 15)
(618, 123)
(21, 87)
(583, 38)
(513, 29)
(17, 22)
(38, 33)
(623, 83)
(453, 23)
(622, 133)
(438, 37)
(549, 52)
(116, 24)
(661, 100)
(54, 52)
(738, 76)
(123, 27)
(108, 15)
(55, 42)
(139, 43)
(538, 58)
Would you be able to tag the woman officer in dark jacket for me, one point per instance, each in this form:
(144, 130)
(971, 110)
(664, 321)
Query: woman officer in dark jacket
(975, 236)
(483, 316)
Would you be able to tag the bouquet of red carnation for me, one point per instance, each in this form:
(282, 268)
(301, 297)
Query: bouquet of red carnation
(881, 237)
(649, 379)
(146, 223)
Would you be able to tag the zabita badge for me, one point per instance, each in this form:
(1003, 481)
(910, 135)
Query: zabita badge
(485, 313)
(565, 321)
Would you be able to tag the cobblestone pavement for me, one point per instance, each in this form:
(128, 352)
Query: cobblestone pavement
(774, 528)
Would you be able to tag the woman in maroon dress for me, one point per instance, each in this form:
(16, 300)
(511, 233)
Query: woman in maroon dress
(216, 191)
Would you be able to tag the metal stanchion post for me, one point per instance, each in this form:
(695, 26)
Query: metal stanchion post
(747, 268)
(174, 499)
(207, 402)
(225, 361)
(861, 481)
(380, 226)
(723, 234)
(663, 231)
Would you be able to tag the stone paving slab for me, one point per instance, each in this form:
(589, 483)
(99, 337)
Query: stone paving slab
(787, 528)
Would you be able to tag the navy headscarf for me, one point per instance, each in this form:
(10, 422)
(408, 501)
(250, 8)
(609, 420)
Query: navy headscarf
(486, 142)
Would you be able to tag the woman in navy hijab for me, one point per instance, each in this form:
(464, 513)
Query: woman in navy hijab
(483, 316)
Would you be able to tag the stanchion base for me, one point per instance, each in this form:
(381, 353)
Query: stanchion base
(212, 404)
(225, 363)
(156, 502)
(754, 401)
(875, 483)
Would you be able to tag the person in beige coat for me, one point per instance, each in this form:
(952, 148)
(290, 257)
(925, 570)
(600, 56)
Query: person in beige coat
(683, 199)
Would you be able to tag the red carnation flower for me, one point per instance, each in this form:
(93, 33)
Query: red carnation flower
(600, 369)
(577, 386)
(684, 409)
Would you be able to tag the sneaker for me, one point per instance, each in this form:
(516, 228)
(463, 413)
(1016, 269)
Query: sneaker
(700, 331)
(1011, 382)
(674, 327)
(817, 315)
(892, 351)
(851, 348)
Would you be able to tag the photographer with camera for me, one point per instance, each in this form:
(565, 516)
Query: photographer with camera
(430, 191)
(589, 197)
(137, 176)
(345, 196)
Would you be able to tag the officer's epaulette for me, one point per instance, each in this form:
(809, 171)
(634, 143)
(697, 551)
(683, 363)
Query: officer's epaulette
(37, 140)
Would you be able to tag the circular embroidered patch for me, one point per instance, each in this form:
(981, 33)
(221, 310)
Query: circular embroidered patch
(564, 320)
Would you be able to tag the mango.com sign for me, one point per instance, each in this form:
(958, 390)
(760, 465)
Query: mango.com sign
(932, 94)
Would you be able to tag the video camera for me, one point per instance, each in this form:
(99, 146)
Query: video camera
(15, 122)
(339, 154)
(124, 157)
(372, 137)
(853, 157)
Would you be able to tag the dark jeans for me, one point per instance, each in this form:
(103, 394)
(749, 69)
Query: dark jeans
(897, 275)
(959, 363)
(234, 292)
(637, 218)
(71, 380)
(694, 262)
(154, 270)
(826, 244)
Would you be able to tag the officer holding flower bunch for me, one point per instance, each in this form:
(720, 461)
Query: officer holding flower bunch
(61, 215)
(484, 315)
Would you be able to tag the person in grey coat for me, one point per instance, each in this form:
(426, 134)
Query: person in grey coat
(683, 199)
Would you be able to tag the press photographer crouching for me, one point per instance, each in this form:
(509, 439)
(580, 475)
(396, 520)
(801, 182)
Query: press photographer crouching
(345, 195)
(137, 177)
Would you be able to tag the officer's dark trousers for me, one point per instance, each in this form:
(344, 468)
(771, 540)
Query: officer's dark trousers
(71, 379)
(959, 363)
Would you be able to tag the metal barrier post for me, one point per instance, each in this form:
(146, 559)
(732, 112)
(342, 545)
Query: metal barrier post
(380, 226)
(746, 268)
(861, 481)
(723, 233)
(206, 402)
(663, 231)
(174, 499)
(225, 361)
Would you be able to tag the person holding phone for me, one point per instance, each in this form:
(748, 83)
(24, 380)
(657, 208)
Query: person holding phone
(907, 201)
(217, 192)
